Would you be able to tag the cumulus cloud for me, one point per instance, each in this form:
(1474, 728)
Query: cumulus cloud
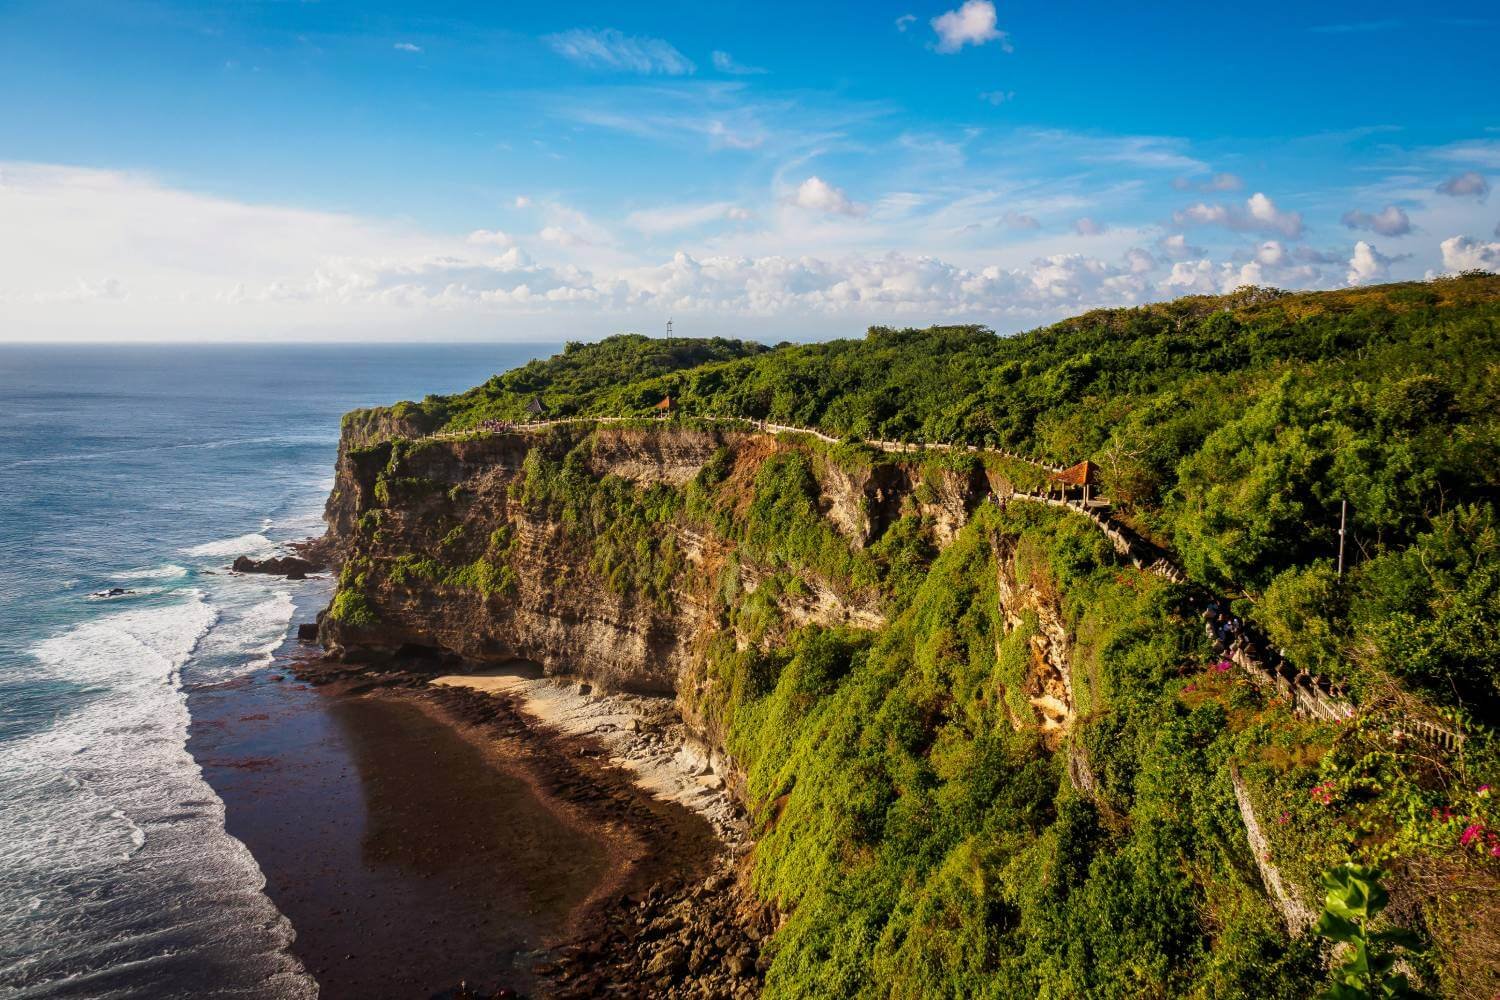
(817, 195)
(1460, 253)
(1389, 221)
(1174, 246)
(1217, 182)
(725, 63)
(191, 261)
(1019, 220)
(972, 24)
(562, 236)
(1259, 214)
(521, 201)
(609, 49)
(1088, 227)
(1367, 265)
(1469, 184)
(1272, 253)
(997, 97)
(407, 47)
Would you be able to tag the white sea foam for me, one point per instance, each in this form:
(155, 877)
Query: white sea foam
(171, 571)
(116, 859)
(252, 625)
(253, 544)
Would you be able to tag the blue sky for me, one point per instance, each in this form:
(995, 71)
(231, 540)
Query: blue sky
(312, 170)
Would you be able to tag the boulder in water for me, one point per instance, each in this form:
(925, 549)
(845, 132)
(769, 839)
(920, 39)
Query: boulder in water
(291, 567)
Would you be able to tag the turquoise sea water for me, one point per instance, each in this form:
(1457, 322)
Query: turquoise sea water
(150, 469)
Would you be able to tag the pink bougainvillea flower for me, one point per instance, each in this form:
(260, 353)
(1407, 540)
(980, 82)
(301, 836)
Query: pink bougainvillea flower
(1483, 791)
(1190, 687)
(1470, 834)
(1223, 666)
(1284, 818)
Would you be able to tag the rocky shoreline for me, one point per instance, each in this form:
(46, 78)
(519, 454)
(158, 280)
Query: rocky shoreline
(675, 918)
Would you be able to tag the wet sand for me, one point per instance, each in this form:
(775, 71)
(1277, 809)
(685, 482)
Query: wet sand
(420, 837)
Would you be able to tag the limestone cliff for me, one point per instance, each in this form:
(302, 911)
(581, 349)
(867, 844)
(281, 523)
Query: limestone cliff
(446, 551)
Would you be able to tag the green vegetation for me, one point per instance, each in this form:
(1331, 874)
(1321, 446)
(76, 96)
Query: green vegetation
(1228, 428)
(921, 835)
(352, 608)
(1354, 901)
(619, 376)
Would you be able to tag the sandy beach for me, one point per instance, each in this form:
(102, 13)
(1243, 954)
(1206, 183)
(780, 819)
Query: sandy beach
(421, 836)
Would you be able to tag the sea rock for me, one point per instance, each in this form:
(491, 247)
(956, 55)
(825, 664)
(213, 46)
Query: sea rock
(291, 567)
(307, 632)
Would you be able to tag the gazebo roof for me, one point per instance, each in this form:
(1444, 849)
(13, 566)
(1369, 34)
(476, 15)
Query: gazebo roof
(1085, 473)
(535, 405)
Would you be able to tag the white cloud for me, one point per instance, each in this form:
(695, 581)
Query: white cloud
(1460, 253)
(997, 97)
(103, 290)
(1264, 211)
(678, 217)
(1469, 184)
(104, 251)
(1148, 152)
(725, 63)
(1389, 221)
(905, 21)
(1175, 247)
(561, 236)
(1218, 182)
(1367, 265)
(1088, 227)
(1484, 152)
(490, 237)
(609, 49)
(817, 195)
(1271, 253)
(1259, 214)
(972, 24)
(406, 47)
(521, 201)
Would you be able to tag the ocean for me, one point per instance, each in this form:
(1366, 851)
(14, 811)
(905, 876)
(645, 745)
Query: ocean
(149, 468)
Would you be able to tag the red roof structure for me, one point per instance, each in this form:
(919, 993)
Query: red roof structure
(666, 404)
(1085, 473)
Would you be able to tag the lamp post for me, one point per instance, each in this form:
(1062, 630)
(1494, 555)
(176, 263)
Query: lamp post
(1343, 514)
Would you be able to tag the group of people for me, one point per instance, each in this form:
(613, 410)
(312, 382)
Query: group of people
(497, 426)
(1221, 626)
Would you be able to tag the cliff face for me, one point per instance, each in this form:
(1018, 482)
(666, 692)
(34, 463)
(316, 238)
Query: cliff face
(410, 521)
(395, 507)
